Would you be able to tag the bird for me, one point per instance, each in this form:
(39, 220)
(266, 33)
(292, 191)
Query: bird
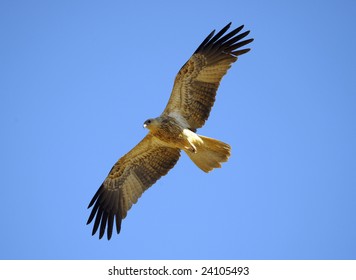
(188, 108)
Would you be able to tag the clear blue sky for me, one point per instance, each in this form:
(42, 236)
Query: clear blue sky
(79, 78)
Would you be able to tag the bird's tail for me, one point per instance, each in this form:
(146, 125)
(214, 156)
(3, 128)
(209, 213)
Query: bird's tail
(209, 154)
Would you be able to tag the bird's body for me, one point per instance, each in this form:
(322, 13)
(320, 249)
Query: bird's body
(168, 130)
(188, 108)
(173, 133)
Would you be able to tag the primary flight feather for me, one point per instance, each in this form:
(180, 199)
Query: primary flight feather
(188, 108)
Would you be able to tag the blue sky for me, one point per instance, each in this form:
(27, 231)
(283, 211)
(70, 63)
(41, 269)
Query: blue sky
(79, 78)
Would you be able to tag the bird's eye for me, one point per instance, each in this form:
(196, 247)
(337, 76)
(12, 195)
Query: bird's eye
(148, 121)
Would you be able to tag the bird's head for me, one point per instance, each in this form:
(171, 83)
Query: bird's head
(151, 124)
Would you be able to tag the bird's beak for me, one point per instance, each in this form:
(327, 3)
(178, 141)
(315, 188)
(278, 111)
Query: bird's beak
(144, 125)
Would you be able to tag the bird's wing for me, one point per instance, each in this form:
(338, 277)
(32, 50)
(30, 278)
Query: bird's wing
(134, 173)
(196, 83)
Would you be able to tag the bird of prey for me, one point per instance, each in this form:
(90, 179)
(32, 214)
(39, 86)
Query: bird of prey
(188, 108)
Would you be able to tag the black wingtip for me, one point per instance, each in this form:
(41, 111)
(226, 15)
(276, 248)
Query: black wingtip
(118, 224)
(205, 40)
(224, 43)
(241, 52)
(97, 221)
(92, 214)
(96, 195)
(105, 212)
(103, 224)
(110, 226)
(228, 25)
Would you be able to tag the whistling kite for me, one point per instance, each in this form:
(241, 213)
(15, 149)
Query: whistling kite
(188, 108)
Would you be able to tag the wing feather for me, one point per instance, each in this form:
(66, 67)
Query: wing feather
(196, 83)
(134, 173)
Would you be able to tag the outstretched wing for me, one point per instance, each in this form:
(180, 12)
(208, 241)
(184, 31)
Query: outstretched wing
(196, 83)
(134, 173)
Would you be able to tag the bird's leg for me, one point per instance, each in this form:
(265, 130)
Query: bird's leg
(192, 140)
(192, 148)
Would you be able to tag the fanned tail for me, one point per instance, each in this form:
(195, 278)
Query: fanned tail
(209, 154)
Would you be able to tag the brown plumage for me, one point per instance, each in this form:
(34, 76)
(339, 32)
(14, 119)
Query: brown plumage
(188, 108)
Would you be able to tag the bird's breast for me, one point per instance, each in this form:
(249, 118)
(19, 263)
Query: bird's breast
(170, 132)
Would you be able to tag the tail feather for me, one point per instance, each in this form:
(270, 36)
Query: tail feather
(209, 154)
